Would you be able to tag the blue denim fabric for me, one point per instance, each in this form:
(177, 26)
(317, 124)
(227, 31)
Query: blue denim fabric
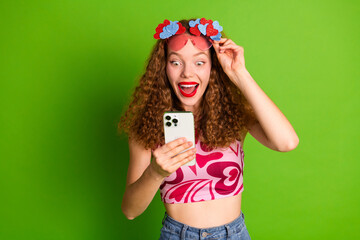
(174, 230)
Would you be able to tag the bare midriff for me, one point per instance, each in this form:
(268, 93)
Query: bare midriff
(206, 214)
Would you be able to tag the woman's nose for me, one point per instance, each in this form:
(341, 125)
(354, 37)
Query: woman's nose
(187, 71)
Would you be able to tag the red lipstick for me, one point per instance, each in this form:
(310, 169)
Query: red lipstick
(188, 89)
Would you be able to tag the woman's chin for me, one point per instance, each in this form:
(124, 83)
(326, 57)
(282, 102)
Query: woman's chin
(189, 103)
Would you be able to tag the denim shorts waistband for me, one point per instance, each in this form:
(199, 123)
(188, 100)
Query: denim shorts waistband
(229, 227)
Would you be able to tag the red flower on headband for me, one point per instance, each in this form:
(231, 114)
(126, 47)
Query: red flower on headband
(195, 30)
(211, 31)
(166, 22)
(203, 21)
(198, 29)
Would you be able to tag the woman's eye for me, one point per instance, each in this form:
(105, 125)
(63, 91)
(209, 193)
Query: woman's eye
(175, 63)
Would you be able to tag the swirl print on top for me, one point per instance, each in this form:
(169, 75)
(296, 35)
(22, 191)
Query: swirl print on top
(218, 173)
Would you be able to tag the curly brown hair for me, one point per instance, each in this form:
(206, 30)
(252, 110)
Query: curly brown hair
(223, 113)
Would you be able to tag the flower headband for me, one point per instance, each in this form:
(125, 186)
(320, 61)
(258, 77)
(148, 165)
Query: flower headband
(207, 28)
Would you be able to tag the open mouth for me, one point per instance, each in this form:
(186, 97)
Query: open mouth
(188, 89)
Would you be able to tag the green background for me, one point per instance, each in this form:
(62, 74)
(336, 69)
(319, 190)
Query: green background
(67, 69)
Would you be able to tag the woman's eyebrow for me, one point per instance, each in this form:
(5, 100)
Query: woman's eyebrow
(196, 54)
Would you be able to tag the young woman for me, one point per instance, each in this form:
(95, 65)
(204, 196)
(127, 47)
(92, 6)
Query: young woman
(194, 67)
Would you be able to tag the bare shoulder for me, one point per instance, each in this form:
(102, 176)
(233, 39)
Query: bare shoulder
(139, 160)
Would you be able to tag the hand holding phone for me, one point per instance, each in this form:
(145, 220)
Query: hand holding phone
(169, 157)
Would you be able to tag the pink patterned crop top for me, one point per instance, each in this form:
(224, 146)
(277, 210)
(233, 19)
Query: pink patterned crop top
(218, 173)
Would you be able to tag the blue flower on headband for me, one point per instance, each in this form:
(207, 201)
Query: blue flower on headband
(216, 37)
(193, 23)
(202, 28)
(169, 30)
(217, 26)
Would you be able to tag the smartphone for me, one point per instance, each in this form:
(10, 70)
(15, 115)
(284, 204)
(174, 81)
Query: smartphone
(178, 125)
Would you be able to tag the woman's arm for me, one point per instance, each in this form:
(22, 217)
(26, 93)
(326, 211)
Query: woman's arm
(145, 176)
(272, 128)
(141, 183)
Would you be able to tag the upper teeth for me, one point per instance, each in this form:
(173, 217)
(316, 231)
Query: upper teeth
(188, 85)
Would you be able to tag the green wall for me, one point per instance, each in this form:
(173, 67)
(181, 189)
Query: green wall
(67, 69)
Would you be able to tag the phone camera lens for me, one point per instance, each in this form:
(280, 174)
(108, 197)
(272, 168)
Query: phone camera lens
(167, 117)
(175, 120)
(168, 124)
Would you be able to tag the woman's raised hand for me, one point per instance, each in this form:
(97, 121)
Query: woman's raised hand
(230, 55)
(165, 160)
